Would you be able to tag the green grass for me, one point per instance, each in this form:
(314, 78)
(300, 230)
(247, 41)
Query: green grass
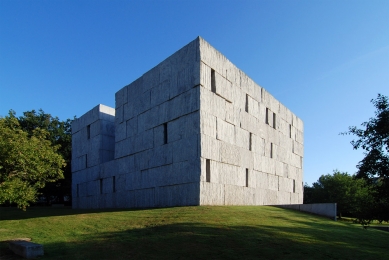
(189, 232)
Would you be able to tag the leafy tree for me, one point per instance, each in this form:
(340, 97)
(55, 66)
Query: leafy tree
(59, 134)
(350, 194)
(27, 162)
(373, 138)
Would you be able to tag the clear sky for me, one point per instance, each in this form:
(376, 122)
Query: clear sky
(324, 60)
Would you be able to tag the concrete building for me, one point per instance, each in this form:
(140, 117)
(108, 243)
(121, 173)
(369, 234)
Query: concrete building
(194, 130)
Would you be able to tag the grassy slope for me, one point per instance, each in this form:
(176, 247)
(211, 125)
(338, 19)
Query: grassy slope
(190, 232)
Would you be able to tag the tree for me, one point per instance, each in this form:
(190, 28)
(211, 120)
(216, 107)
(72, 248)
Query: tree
(349, 193)
(27, 162)
(59, 134)
(373, 138)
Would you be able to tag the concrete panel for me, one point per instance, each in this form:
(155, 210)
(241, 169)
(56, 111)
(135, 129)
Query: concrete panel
(212, 57)
(159, 135)
(223, 87)
(120, 132)
(187, 78)
(285, 184)
(120, 182)
(211, 193)
(273, 182)
(258, 145)
(128, 111)
(249, 123)
(232, 114)
(210, 148)
(262, 180)
(108, 169)
(271, 197)
(229, 154)
(119, 115)
(178, 195)
(142, 103)
(125, 165)
(235, 195)
(161, 155)
(121, 97)
(145, 198)
(208, 124)
(243, 138)
(212, 103)
(239, 98)
(232, 175)
(134, 90)
(280, 169)
(323, 209)
(246, 158)
(186, 149)
(225, 131)
(150, 79)
(183, 104)
(79, 163)
(298, 148)
(142, 159)
(132, 127)
(253, 107)
(160, 93)
(205, 76)
(283, 197)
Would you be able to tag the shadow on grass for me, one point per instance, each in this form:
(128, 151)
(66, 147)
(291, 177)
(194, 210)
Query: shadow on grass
(202, 241)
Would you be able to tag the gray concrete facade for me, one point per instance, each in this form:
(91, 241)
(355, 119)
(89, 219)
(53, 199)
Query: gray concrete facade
(194, 130)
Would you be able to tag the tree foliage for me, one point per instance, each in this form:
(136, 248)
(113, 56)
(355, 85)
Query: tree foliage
(59, 134)
(349, 193)
(373, 138)
(27, 162)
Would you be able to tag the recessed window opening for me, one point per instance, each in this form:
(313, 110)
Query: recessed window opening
(208, 170)
(294, 186)
(213, 81)
(165, 133)
(247, 177)
(101, 186)
(271, 150)
(88, 131)
(290, 131)
(246, 107)
(267, 116)
(113, 184)
(250, 141)
(78, 191)
(274, 120)
(86, 160)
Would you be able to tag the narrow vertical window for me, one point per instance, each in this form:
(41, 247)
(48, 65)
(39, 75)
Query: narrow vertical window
(294, 186)
(88, 131)
(274, 120)
(86, 160)
(208, 171)
(267, 116)
(250, 141)
(247, 177)
(213, 81)
(113, 184)
(271, 150)
(165, 133)
(101, 186)
(246, 107)
(290, 131)
(78, 191)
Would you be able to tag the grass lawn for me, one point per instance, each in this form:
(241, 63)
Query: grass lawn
(189, 232)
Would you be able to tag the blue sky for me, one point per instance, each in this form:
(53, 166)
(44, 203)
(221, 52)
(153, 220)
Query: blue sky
(324, 60)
